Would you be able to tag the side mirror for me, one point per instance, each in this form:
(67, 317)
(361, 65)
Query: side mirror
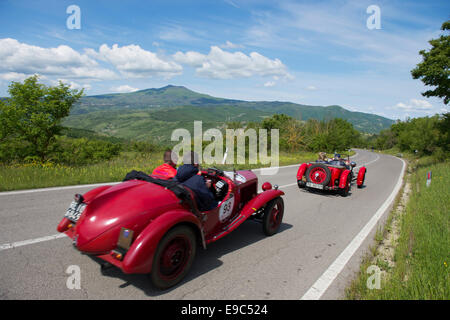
(353, 164)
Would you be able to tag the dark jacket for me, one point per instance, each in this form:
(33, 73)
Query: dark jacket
(187, 175)
(185, 172)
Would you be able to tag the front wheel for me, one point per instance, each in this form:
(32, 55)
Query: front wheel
(273, 215)
(173, 257)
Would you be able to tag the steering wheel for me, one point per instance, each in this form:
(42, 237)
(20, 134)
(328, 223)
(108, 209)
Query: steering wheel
(215, 172)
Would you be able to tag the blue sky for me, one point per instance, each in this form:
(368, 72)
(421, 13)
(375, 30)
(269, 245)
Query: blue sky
(308, 52)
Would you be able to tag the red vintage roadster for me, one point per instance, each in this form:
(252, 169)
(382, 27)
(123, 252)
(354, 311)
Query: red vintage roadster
(150, 225)
(330, 175)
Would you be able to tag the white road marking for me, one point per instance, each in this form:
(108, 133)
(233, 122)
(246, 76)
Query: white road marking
(31, 241)
(9, 193)
(326, 279)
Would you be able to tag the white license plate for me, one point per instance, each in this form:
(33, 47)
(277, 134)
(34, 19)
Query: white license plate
(314, 185)
(75, 210)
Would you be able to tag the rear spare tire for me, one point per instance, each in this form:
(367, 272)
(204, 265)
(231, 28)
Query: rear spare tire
(318, 173)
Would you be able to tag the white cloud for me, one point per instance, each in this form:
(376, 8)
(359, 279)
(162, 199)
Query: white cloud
(23, 59)
(269, 84)
(220, 64)
(124, 88)
(134, 62)
(414, 105)
(230, 45)
(192, 58)
(311, 88)
(13, 76)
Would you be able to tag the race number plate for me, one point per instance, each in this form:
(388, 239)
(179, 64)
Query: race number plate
(226, 209)
(74, 211)
(314, 185)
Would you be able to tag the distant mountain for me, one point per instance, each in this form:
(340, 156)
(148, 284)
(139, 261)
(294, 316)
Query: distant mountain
(154, 113)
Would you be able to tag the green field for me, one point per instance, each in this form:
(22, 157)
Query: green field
(420, 266)
(38, 175)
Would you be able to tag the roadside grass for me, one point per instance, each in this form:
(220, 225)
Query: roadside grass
(420, 263)
(41, 175)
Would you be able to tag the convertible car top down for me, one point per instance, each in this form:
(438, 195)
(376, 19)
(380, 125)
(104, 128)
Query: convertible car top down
(152, 226)
(334, 175)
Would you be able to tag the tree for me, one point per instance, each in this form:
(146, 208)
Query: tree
(31, 117)
(434, 69)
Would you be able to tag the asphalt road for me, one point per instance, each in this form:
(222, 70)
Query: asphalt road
(316, 230)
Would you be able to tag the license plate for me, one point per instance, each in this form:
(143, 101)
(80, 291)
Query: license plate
(74, 211)
(314, 185)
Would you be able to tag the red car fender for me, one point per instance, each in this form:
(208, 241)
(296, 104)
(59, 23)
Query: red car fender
(301, 171)
(343, 179)
(63, 225)
(139, 257)
(250, 208)
(259, 201)
(91, 194)
(361, 173)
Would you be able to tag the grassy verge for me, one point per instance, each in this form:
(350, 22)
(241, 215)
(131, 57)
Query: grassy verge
(35, 175)
(419, 232)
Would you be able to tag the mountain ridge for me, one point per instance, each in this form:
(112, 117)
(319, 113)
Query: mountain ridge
(118, 113)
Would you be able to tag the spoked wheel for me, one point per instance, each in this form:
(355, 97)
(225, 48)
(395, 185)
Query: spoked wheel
(346, 190)
(318, 173)
(273, 216)
(173, 257)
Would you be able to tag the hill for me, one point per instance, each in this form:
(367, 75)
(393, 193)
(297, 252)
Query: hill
(154, 113)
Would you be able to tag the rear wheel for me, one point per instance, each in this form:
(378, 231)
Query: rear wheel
(273, 216)
(173, 257)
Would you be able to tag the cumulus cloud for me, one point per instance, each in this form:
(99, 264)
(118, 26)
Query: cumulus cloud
(414, 105)
(23, 59)
(124, 88)
(220, 64)
(13, 76)
(135, 62)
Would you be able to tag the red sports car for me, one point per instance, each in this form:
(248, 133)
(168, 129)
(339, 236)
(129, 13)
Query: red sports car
(330, 175)
(150, 225)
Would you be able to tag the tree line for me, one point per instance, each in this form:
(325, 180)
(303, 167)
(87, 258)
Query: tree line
(311, 135)
(425, 136)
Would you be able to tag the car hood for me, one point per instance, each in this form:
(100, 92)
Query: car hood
(132, 205)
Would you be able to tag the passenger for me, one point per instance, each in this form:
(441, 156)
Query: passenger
(187, 175)
(168, 169)
(322, 157)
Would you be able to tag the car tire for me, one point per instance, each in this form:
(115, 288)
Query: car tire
(273, 216)
(173, 257)
(345, 191)
(323, 174)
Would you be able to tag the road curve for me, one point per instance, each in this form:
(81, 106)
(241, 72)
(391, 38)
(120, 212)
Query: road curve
(316, 229)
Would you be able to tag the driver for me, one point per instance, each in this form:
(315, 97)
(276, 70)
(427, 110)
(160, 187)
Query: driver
(187, 175)
(337, 160)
